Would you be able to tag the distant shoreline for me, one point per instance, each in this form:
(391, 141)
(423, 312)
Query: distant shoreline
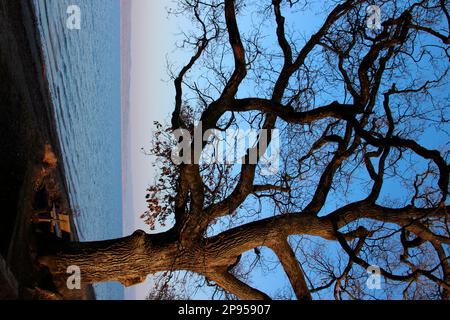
(28, 132)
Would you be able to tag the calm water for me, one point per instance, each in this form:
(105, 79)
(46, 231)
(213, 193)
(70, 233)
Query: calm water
(83, 68)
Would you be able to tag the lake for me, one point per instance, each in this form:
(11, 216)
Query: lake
(83, 69)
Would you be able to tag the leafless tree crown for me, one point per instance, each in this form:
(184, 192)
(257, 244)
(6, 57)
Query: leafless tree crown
(355, 106)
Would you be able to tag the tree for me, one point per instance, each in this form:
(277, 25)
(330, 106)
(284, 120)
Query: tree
(355, 106)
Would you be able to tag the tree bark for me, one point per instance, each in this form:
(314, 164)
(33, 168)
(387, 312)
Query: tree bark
(128, 260)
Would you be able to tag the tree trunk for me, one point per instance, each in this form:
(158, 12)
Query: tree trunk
(128, 260)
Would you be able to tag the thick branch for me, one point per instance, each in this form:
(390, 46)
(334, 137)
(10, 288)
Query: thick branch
(235, 286)
(292, 268)
(240, 69)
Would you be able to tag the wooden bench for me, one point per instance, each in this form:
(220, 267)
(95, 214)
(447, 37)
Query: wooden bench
(59, 222)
